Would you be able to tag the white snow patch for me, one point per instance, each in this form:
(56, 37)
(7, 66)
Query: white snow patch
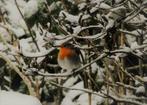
(2, 47)
(19, 32)
(7, 79)
(137, 83)
(130, 39)
(30, 8)
(104, 6)
(86, 16)
(82, 5)
(94, 9)
(140, 89)
(13, 14)
(69, 17)
(14, 98)
(67, 101)
(134, 45)
(5, 33)
(110, 24)
(94, 67)
(70, 81)
(72, 1)
(54, 5)
(145, 79)
(71, 94)
(84, 99)
(97, 1)
(116, 13)
(139, 19)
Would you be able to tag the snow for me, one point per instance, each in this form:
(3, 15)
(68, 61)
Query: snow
(5, 33)
(99, 5)
(94, 67)
(70, 81)
(71, 94)
(13, 14)
(85, 16)
(69, 17)
(30, 8)
(14, 98)
(116, 13)
(62, 40)
(72, 1)
(94, 9)
(28, 48)
(145, 79)
(8, 79)
(110, 24)
(19, 32)
(96, 100)
(140, 89)
(53, 6)
(81, 6)
(134, 45)
(118, 1)
(79, 29)
(130, 39)
(96, 1)
(67, 101)
(2, 47)
(139, 19)
(83, 97)
(145, 2)
(104, 6)
(17, 26)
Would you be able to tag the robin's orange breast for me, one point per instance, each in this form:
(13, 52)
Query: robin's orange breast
(65, 52)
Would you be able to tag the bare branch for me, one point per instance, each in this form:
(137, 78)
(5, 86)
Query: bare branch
(71, 73)
(16, 69)
(102, 94)
(27, 26)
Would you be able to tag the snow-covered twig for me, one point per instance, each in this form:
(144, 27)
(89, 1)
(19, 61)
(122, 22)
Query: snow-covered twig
(131, 17)
(79, 89)
(78, 31)
(37, 54)
(123, 100)
(135, 67)
(130, 50)
(102, 94)
(16, 69)
(71, 73)
(121, 84)
(31, 34)
(129, 33)
(126, 86)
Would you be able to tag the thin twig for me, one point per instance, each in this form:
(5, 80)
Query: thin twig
(135, 67)
(123, 100)
(16, 69)
(102, 94)
(133, 16)
(27, 26)
(79, 89)
(126, 86)
(71, 73)
(128, 33)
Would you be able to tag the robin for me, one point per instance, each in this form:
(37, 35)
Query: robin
(68, 57)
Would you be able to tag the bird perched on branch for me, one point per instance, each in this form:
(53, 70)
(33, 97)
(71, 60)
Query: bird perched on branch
(69, 57)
